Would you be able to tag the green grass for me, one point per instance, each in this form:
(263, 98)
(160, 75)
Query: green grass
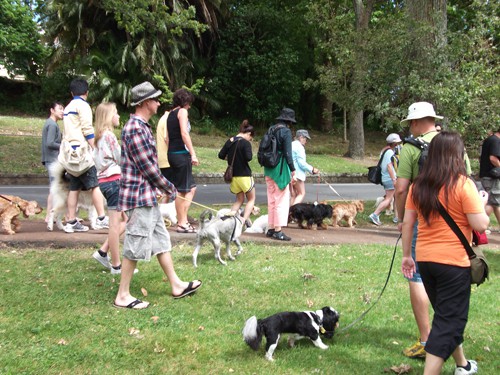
(56, 315)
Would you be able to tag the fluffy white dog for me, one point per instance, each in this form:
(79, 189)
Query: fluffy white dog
(259, 225)
(168, 213)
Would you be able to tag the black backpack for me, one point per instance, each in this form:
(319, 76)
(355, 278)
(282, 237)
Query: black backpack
(423, 146)
(268, 155)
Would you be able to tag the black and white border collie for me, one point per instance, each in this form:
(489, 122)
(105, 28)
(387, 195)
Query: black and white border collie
(299, 324)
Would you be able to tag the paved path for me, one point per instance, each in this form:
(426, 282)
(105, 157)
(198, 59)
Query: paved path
(33, 234)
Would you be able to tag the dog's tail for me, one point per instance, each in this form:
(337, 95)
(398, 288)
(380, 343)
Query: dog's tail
(252, 333)
(205, 217)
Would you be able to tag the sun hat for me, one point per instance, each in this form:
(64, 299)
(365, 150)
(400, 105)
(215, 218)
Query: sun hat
(287, 114)
(142, 92)
(302, 133)
(420, 110)
(393, 138)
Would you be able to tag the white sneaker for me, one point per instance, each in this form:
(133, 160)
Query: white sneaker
(462, 371)
(119, 271)
(105, 261)
(375, 219)
(102, 224)
(76, 227)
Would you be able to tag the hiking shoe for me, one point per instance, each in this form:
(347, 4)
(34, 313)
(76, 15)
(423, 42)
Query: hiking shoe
(76, 227)
(118, 271)
(270, 233)
(102, 223)
(103, 260)
(280, 236)
(462, 371)
(417, 350)
(395, 220)
(375, 219)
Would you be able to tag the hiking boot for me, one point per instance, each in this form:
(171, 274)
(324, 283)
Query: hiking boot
(375, 219)
(417, 350)
(280, 236)
(462, 371)
(76, 227)
(270, 233)
(102, 223)
(103, 260)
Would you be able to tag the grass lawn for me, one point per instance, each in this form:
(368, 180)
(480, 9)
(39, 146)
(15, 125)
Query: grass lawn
(56, 315)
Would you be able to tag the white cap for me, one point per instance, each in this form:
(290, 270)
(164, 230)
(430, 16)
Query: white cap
(420, 110)
(393, 138)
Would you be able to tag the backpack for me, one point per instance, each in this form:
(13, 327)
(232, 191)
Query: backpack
(375, 173)
(268, 155)
(423, 146)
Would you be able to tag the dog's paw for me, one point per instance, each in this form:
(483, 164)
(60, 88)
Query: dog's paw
(291, 342)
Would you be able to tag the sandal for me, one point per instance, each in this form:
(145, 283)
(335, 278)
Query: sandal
(188, 228)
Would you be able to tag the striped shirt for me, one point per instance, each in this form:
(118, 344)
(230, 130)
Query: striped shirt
(78, 121)
(139, 164)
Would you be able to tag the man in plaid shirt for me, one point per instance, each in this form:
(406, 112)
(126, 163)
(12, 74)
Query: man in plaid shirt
(146, 234)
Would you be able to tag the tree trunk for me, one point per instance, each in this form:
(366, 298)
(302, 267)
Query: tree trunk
(326, 114)
(429, 13)
(356, 135)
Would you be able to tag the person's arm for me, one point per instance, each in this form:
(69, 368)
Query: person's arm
(494, 161)
(300, 160)
(407, 262)
(52, 140)
(224, 150)
(402, 186)
(182, 115)
(287, 147)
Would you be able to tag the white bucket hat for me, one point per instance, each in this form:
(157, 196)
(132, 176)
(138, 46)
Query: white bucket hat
(420, 110)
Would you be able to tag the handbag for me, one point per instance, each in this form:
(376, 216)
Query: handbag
(77, 160)
(375, 172)
(478, 265)
(495, 172)
(228, 174)
(479, 238)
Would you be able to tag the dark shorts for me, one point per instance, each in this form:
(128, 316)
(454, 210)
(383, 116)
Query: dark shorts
(180, 172)
(111, 190)
(492, 187)
(86, 181)
(448, 288)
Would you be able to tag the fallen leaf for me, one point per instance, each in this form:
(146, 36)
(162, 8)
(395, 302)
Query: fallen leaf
(62, 342)
(310, 303)
(144, 292)
(487, 349)
(155, 319)
(201, 328)
(158, 348)
(133, 331)
(308, 276)
(401, 369)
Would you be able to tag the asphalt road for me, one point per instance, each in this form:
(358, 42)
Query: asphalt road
(219, 193)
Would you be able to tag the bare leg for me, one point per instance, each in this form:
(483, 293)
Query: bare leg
(389, 194)
(182, 206)
(420, 305)
(72, 202)
(117, 222)
(433, 364)
(300, 192)
(49, 207)
(167, 264)
(240, 198)
(98, 200)
(123, 298)
(250, 204)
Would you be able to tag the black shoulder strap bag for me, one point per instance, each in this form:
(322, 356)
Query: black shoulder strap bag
(478, 264)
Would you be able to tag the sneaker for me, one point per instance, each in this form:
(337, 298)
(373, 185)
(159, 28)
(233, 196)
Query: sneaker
(415, 351)
(463, 371)
(76, 227)
(103, 260)
(270, 233)
(280, 236)
(395, 220)
(118, 271)
(102, 224)
(375, 219)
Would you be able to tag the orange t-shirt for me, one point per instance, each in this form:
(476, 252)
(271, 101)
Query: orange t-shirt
(437, 242)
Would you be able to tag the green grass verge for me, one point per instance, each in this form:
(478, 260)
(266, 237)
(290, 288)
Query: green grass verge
(56, 315)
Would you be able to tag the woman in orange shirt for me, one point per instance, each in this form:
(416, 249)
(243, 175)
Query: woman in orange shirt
(442, 259)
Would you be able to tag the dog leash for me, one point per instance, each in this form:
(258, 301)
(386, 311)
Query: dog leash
(9, 200)
(331, 187)
(381, 292)
(196, 203)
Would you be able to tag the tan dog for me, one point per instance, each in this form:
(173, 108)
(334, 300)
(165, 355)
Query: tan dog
(347, 211)
(11, 207)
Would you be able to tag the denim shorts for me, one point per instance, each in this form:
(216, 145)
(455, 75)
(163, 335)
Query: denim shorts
(86, 181)
(388, 184)
(111, 190)
(145, 234)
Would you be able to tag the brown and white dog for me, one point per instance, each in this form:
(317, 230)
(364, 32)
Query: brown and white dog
(59, 189)
(347, 211)
(11, 207)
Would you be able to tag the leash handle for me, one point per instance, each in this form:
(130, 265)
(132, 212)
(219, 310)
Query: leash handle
(381, 292)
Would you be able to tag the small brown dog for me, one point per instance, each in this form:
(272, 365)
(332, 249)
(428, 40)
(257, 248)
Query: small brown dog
(347, 211)
(10, 208)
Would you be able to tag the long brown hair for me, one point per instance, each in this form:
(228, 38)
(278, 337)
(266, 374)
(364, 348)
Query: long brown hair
(443, 169)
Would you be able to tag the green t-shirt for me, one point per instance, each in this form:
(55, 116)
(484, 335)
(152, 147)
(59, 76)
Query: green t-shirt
(408, 160)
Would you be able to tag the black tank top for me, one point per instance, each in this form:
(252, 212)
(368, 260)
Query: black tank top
(175, 142)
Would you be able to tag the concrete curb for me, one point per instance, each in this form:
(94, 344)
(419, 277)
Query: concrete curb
(200, 178)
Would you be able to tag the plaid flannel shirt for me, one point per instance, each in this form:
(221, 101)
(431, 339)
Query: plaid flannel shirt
(139, 164)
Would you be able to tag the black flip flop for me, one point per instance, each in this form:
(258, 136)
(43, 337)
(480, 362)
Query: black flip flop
(189, 290)
(132, 305)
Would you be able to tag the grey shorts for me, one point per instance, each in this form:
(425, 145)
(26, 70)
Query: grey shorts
(86, 181)
(145, 234)
(492, 187)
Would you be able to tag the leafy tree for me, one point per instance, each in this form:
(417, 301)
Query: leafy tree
(20, 48)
